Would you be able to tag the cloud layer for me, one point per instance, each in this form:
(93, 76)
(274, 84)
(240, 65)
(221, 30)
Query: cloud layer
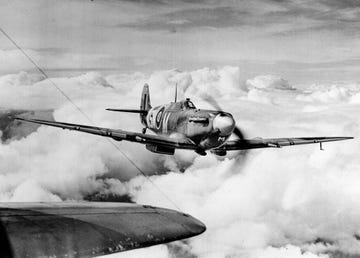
(290, 202)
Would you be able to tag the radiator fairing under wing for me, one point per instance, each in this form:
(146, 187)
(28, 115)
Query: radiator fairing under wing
(88, 229)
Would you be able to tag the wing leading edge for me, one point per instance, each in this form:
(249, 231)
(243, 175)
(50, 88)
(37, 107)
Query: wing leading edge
(81, 229)
(278, 142)
(118, 135)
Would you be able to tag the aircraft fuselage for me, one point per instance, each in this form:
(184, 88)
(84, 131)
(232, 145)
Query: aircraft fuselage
(206, 128)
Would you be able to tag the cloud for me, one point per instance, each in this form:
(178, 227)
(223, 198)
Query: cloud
(39, 93)
(355, 99)
(30, 187)
(262, 206)
(287, 251)
(310, 108)
(343, 92)
(94, 79)
(259, 96)
(261, 88)
(154, 251)
(269, 82)
(22, 78)
(290, 202)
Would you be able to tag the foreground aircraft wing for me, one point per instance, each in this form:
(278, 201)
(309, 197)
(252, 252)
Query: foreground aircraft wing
(87, 229)
(119, 135)
(277, 142)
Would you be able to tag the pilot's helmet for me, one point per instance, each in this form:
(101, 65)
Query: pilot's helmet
(186, 103)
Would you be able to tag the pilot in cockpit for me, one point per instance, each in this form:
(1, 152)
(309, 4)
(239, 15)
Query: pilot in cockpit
(188, 104)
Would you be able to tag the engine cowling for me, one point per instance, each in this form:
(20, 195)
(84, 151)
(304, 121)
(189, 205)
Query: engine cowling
(160, 149)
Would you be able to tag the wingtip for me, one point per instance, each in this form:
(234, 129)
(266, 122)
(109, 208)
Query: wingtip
(111, 109)
(342, 138)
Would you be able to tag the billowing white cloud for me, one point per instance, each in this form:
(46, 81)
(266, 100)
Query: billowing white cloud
(20, 79)
(355, 99)
(30, 91)
(290, 202)
(31, 187)
(333, 94)
(312, 108)
(285, 252)
(259, 96)
(269, 82)
(160, 251)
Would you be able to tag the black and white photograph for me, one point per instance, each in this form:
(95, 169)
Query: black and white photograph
(180, 129)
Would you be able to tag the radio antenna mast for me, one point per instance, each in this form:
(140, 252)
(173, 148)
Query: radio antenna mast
(175, 92)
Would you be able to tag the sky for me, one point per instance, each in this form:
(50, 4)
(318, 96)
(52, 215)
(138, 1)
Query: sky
(300, 40)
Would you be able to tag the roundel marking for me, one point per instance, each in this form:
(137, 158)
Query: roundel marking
(158, 117)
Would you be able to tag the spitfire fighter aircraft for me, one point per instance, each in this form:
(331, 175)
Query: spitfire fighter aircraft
(180, 125)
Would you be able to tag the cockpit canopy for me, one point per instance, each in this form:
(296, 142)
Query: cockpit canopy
(187, 104)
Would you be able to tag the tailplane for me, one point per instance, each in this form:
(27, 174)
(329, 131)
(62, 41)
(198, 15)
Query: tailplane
(127, 110)
(145, 106)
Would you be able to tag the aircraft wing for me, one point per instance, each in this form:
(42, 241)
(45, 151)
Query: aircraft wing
(87, 229)
(119, 135)
(277, 142)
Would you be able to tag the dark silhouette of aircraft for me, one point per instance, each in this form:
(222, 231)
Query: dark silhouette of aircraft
(87, 229)
(180, 125)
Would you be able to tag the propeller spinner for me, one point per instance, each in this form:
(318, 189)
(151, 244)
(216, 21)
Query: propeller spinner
(225, 124)
(236, 129)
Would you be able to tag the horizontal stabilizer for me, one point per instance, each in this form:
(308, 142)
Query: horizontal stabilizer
(128, 110)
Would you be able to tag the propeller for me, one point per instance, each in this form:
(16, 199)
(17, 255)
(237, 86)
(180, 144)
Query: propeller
(237, 131)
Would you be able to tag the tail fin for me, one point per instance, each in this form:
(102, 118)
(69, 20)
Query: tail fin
(145, 103)
(145, 106)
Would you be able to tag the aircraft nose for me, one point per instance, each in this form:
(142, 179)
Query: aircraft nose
(224, 123)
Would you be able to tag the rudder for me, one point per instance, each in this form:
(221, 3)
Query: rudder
(145, 103)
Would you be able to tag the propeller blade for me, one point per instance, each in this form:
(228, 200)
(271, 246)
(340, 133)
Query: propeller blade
(241, 156)
(216, 105)
(238, 133)
(212, 102)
